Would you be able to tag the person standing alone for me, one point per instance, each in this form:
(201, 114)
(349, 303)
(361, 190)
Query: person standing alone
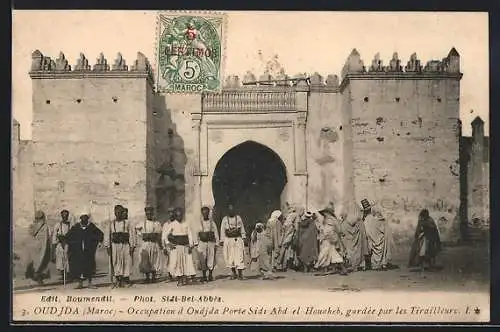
(38, 250)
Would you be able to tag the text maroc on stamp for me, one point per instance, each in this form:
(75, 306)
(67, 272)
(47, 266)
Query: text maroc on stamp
(190, 51)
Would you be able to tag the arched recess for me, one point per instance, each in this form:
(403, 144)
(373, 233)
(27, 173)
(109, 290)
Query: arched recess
(252, 177)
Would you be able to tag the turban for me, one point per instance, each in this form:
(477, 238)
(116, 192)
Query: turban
(307, 215)
(39, 215)
(276, 214)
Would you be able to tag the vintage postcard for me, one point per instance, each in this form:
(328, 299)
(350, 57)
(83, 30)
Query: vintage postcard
(203, 166)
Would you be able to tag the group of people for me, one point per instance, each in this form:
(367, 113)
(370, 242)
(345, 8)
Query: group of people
(297, 239)
(323, 241)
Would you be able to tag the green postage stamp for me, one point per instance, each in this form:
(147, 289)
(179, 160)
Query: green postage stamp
(190, 51)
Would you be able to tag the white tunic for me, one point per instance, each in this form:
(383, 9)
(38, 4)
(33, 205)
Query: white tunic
(61, 228)
(149, 251)
(207, 250)
(120, 252)
(234, 248)
(180, 259)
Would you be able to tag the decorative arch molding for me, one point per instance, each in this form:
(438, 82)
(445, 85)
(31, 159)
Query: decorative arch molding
(283, 134)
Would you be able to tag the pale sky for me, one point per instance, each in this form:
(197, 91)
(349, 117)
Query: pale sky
(304, 42)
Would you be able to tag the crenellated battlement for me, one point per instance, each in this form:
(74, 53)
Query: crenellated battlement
(44, 67)
(448, 67)
(299, 82)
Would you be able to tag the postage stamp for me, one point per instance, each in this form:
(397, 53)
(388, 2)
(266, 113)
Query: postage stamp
(190, 52)
(212, 203)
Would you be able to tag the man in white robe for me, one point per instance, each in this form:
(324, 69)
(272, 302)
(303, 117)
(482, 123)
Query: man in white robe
(149, 232)
(207, 240)
(380, 242)
(120, 242)
(60, 246)
(232, 234)
(179, 238)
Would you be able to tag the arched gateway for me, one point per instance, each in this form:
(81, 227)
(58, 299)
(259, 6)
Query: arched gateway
(251, 150)
(252, 177)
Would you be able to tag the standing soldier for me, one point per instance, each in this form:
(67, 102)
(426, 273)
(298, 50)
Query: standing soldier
(120, 240)
(164, 242)
(232, 234)
(150, 233)
(208, 240)
(179, 238)
(60, 245)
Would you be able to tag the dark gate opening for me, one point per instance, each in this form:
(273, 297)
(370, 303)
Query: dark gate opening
(251, 177)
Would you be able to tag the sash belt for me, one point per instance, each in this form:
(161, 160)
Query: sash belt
(180, 240)
(207, 236)
(120, 237)
(151, 237)
(233, 232)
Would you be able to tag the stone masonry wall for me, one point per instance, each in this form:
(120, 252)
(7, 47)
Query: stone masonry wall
(151, 142)
(21, 181)
(405, 148)
(104, 137)
(89, 137)
(478, 176)
(324, 139)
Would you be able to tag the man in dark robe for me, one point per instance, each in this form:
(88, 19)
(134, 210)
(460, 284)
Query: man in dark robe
(83, 239)
(38, 250)
(306, 242)
(427, 242)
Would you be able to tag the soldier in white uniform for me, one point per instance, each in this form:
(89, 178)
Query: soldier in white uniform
(208, 240)
(149, 232)
(178, 237)
(232, 234)
(120, 241)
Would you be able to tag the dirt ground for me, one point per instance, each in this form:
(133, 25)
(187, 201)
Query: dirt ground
(460, 267)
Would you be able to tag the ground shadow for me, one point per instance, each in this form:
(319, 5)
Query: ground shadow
(221, 277)
(436, 268)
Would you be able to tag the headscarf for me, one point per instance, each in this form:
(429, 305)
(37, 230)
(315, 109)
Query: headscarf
(307, 215)
(86, 212)
(275, 215)
(329, 208)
